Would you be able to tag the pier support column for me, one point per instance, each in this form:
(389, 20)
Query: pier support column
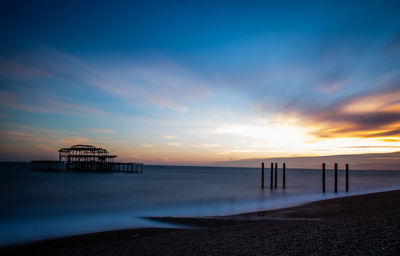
(323, 177)
(347, 177)
(284, 175)
(276, 174)
(272, 175)
(262, 175)
(336, 174)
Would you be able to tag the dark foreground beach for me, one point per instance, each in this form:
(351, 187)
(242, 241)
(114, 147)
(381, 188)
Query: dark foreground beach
(357, 225)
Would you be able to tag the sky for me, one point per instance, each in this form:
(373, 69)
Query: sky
(199, 82)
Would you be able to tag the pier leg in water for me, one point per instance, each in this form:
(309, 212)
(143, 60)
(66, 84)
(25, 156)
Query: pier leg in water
(284, 175)
(323, 177)
(336, 170)
(262, 175)
(272, 175)
(347, 177)
(276, 174)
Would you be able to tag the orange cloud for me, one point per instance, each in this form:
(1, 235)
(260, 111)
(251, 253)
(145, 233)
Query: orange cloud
(367, 116)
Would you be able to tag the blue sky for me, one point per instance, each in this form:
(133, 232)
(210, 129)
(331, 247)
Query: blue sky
(193, 82)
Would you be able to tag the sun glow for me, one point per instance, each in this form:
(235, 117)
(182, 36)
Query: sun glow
(272, 136)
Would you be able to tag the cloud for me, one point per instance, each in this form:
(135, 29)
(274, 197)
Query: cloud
(11, 100)
(373, 102)
(207, 146)
(148, 145)
(167, 85)
(31, 140)
(44, 103)
(46, 148)
(169, 137)
(390, 140)
(107, 131)
(329, 87)
(174, 144)
(19, 136)
(68, 108)
(369, 115)
(224, 153)
(389, 146)
(73, 141)
(156, 82)
(16, 70)
(17, 133)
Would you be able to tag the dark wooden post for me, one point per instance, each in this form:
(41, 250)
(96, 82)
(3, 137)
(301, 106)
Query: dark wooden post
(284, 175)
(336, 167)
(272, 175)
(276, 174)
(323, 177)
(262, 175)
(347, 177)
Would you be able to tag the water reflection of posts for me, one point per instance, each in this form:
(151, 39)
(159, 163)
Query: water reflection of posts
(276, 174)
(323, 177)
(272, 175)
(347, 177)
(284, 175)
(262, 175)
(336, 171)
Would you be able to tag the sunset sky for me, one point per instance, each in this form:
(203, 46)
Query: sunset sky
(195, 82)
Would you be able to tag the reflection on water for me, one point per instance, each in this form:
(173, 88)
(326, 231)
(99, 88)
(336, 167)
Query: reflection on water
(36, 205)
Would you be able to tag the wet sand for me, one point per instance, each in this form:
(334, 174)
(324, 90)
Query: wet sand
(357, 225)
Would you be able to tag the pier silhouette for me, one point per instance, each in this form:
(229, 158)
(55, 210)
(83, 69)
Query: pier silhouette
(86, 158)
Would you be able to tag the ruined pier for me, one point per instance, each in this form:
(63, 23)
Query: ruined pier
(86, 158)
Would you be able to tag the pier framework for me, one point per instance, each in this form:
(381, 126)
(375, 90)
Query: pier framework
(86, 158)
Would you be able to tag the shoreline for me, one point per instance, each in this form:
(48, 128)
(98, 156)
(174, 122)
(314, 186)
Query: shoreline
(361, 223)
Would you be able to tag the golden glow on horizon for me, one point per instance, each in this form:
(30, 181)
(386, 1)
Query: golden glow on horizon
(283, 135)
(279, 137)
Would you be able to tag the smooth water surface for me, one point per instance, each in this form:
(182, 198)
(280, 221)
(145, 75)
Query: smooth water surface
(36, 205)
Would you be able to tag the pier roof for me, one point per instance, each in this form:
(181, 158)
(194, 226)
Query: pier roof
(89, 148)
(85, 153)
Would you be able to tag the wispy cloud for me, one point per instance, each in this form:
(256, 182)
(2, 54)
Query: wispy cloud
(107, 131)
(73, 141)
(16, 70)
(174, 144)
(17, 133)
(169, 137)
(157, 82)
(148, 145)
(11, 100)
(44, 104)
(207, 146)
(46, 148)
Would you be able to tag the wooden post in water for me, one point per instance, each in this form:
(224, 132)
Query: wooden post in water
(276, 174)
(347, 177)
(284, 175)
(336, 177)
(272, 175)
(262, 175)
(323, 177)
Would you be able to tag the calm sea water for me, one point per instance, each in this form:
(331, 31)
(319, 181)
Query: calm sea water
(37, 205)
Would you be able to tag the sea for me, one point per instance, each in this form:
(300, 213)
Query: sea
(36, 205)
